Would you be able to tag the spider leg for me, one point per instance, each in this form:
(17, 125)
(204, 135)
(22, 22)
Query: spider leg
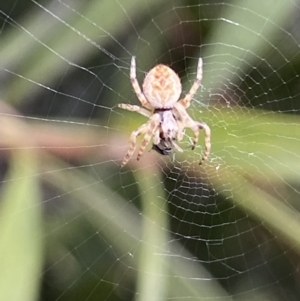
(187, 121)
(180, 130)
(135, 84)
(132, 142)
(156, 137)
(152, 126)
(134, 108)
(186, 101)
(202, 126)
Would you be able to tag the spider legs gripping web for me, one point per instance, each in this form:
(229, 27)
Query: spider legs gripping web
(132, 142)
(187, 121)
(149, 130)
(196, 129)
(136, 86)
(186, 101)
(152, 126)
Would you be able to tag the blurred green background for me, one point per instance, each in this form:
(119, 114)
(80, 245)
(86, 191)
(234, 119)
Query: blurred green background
(75, 226)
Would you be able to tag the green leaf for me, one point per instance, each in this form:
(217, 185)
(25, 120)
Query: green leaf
(20, 231)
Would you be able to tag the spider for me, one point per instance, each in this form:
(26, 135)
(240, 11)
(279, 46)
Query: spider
(167, 114)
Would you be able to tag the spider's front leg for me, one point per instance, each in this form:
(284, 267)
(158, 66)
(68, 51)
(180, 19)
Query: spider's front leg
(148, 129)
(151, 128)
(187, 121)
(132, 142)
(196, 128)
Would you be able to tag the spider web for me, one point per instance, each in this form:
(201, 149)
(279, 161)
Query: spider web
(76, 226)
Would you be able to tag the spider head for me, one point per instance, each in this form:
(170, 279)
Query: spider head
(162, 87)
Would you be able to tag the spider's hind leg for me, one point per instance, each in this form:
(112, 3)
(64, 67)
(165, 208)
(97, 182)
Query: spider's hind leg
(135, 84)
(186, 101)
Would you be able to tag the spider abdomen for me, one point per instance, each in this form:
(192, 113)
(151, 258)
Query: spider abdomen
(162, 87)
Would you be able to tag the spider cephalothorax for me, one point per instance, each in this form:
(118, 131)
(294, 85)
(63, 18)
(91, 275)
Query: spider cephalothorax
(167, 114)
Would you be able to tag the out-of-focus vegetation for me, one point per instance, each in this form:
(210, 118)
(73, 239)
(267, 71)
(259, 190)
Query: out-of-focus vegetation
(74, 226)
